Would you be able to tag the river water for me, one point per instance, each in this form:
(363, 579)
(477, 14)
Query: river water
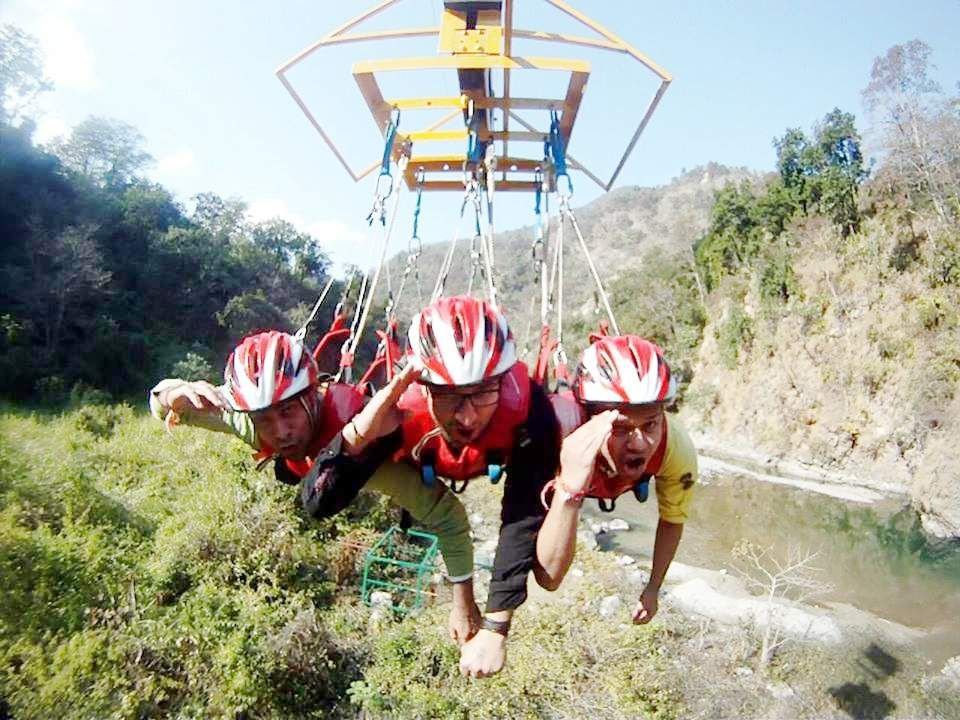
(875, 556)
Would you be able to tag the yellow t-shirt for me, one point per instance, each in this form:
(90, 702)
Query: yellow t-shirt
(677, 474)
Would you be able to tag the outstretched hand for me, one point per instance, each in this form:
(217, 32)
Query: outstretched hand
(197, 395)
(646, 606)
(581, 449)
(380, 417)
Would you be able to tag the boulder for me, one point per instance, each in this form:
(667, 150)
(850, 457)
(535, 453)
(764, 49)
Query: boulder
(697, 596)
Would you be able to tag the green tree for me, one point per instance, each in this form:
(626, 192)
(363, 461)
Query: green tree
(107, 152)
(838, 161)
(791, 149)
(820, 173)
(21, 73)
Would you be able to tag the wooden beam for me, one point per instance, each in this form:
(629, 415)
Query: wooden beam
(383, 35)
(570, 40)
(640, 128)
(471, 62)
(454, 163)
(371, 93)
(601, 30)
(578, 82)
(366, 15)
(444, 135)
(508, 51)
(316, 125)
(480, 102)
(457, 185)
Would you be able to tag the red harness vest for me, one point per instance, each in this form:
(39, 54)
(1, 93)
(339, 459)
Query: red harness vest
(425, 447)
(570, 416)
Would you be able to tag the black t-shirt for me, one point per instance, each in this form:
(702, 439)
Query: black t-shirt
(332, 484)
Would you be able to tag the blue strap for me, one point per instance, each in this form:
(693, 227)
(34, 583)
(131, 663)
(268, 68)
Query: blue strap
(388, 144)
(558, 151)
(538, 216)
(416, 210)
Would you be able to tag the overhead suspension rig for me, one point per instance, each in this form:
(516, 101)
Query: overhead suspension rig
(476, 39)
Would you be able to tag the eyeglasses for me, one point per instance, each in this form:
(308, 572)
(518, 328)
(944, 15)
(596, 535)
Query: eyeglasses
(451, 401)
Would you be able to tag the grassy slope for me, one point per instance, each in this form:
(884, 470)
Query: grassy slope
(143, 575)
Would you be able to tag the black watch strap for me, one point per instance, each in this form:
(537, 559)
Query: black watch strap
(501, 627)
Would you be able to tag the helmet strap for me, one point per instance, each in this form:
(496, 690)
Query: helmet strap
(310, 407)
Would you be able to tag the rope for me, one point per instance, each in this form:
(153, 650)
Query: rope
(401, 165)
(566, 210)
(344, 295)
(475, 255)
(490, 166)
(302, 331)
(558, 269)
(538, 251)
(414, 248)
(444, 271)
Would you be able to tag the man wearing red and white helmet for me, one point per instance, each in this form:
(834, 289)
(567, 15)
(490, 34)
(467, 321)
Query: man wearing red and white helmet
(623, 385)
(272, 398)
(475, 413)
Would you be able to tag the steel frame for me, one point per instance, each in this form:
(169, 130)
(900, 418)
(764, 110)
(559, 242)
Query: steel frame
(568, 106)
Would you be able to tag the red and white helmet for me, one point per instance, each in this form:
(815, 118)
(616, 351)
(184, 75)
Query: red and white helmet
(460, 341)
(267, 368)
(624, 369)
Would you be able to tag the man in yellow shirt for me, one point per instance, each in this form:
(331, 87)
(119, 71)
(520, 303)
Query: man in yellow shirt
(623, 385)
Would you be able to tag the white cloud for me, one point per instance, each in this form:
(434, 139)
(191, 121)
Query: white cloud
(67, 58)
(49, 126)
(269, 208)
(68, 61)
(175, 163)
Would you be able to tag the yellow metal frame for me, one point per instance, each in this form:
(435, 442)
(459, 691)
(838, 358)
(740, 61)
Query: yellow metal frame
(477, 53)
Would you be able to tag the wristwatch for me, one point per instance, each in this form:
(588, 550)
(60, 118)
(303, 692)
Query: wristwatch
(501, 627)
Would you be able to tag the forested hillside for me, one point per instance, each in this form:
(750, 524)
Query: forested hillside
(106, 280)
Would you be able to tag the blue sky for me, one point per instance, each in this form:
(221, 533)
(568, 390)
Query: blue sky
(197, 79)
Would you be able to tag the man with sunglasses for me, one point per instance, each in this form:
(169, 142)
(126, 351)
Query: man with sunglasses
(475, 413)
(623, 385)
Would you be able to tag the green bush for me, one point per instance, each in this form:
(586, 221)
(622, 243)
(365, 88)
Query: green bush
(194, 367)
(100, 420)
(51, 389)
(82, 394)
(149, 576)
(735, 334)
(778, 284)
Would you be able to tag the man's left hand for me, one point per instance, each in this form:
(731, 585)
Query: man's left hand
(464, 620)
(484, 655)
(646, 606)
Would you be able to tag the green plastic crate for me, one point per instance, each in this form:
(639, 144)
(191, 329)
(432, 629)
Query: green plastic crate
(402, 564)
